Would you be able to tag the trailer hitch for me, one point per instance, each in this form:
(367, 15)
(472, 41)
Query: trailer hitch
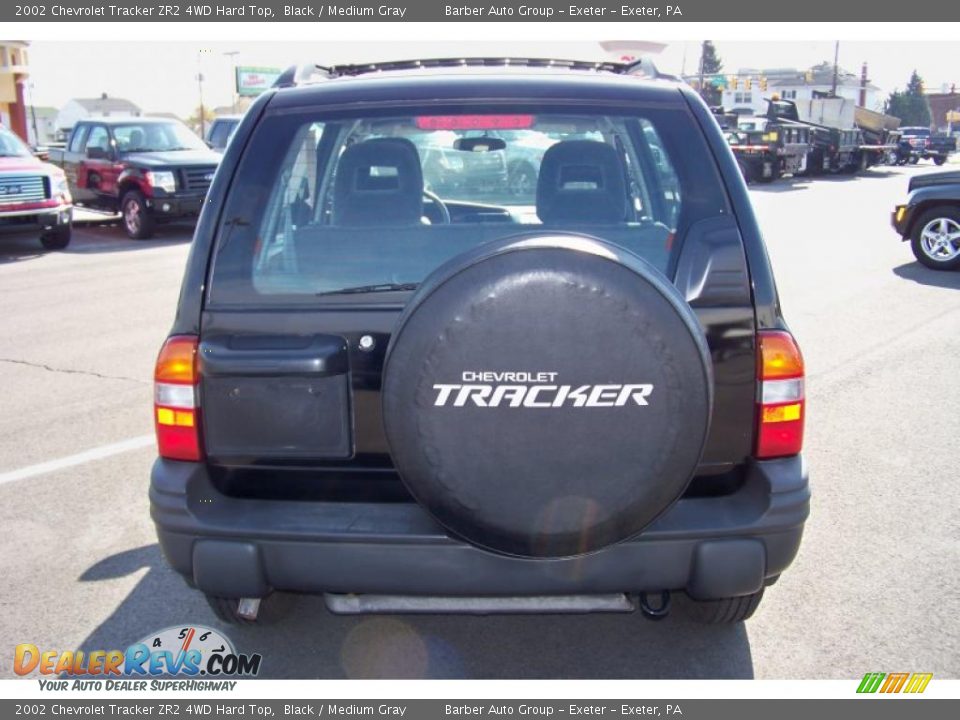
(658, 611)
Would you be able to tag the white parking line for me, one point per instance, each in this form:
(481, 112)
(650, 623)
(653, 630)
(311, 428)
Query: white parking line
(104, 451)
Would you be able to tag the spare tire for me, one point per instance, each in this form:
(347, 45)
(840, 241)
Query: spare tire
(547, 396)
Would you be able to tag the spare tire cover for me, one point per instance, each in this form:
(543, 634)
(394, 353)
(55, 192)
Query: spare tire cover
(547, 396)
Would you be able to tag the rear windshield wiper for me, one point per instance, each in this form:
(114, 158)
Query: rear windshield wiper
(382, 287)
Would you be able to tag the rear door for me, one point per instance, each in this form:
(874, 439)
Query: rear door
(292, 350)
(97, 165)
(73, 163)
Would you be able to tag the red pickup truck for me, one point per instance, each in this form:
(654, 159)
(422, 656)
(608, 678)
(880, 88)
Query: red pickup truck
(34, 195)
(149, 170)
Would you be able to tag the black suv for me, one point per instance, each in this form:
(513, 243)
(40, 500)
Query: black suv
(581, 398)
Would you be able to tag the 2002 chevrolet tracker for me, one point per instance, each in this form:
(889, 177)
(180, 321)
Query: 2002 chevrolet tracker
(576, 394)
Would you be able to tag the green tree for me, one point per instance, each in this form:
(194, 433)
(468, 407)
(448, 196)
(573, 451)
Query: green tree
(910, 105)
(710, 64)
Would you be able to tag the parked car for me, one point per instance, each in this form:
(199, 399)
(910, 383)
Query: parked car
(220, 130)
(455, 169)
(150, 170)
(34, 195)
(523, 154)
(930, 219)
(926, 145)
(583, 398)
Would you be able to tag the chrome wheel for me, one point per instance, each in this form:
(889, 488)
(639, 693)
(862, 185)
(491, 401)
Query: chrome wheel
(940, 239)
(133, 216)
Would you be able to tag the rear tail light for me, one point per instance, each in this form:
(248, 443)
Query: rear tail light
(781, 405)
(175, 412)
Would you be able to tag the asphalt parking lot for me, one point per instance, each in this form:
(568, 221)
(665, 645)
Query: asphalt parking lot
(875, 587)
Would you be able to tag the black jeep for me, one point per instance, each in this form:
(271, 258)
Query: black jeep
(581, 398)
(930, 219)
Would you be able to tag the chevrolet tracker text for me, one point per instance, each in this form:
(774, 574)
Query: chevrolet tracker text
(476, 387)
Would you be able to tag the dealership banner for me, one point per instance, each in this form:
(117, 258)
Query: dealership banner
(251, 81)
(610, 11)
(485, 709)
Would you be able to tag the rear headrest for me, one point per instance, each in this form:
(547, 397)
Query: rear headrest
(378, 182)
(581, 181)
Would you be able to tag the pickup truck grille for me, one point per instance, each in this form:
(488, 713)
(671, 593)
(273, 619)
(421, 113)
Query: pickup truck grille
(197, 179)
(17, 189)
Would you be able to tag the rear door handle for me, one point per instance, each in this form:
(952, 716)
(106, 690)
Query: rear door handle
(274, 356)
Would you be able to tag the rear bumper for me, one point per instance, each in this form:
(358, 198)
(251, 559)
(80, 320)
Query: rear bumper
(35, 221)
(710, 547)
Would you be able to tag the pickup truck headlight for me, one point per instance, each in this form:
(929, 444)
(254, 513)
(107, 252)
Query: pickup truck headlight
(164, 180)
(60, 188)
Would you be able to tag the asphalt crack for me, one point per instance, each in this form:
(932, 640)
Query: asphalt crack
(68, 371)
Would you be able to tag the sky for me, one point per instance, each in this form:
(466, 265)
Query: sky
(160, 76)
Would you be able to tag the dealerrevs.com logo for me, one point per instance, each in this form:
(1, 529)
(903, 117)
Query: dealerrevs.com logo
(892, 683)
(490, 389)
(189, 651)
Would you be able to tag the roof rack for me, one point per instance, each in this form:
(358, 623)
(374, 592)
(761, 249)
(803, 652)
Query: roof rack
(304, 74)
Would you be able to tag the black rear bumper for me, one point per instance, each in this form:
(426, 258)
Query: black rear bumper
(710, 547)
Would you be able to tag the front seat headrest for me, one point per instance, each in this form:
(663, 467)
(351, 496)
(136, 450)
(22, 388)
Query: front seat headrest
(378, 182)
(581, 181)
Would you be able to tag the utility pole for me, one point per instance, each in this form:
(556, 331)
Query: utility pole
(863, 85)
(703, 51)
(233, 72)
(33, 115)
(203, 112)
(836, 68)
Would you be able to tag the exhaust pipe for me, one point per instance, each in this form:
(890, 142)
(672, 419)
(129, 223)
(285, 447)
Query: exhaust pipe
(657, 611)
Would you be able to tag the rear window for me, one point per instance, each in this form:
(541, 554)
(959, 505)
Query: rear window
(221, 132)
(346, 204)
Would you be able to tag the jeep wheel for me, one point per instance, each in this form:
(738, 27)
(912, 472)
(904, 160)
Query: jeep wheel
(138, 221)
(273, 608)
(56, 239)
(939, 160)
(935, 239)
(546, 396)
(726, 610)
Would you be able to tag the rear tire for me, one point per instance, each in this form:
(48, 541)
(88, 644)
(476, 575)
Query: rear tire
(273, 608)
(939, 160)
(56, 239)
(138, 221)
(726, 610)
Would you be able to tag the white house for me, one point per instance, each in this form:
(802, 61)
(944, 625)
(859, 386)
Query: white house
(86, 108)
(792, 84)
(41, 124)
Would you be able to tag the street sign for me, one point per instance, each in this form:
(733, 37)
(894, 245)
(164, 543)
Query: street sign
(251, 81)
